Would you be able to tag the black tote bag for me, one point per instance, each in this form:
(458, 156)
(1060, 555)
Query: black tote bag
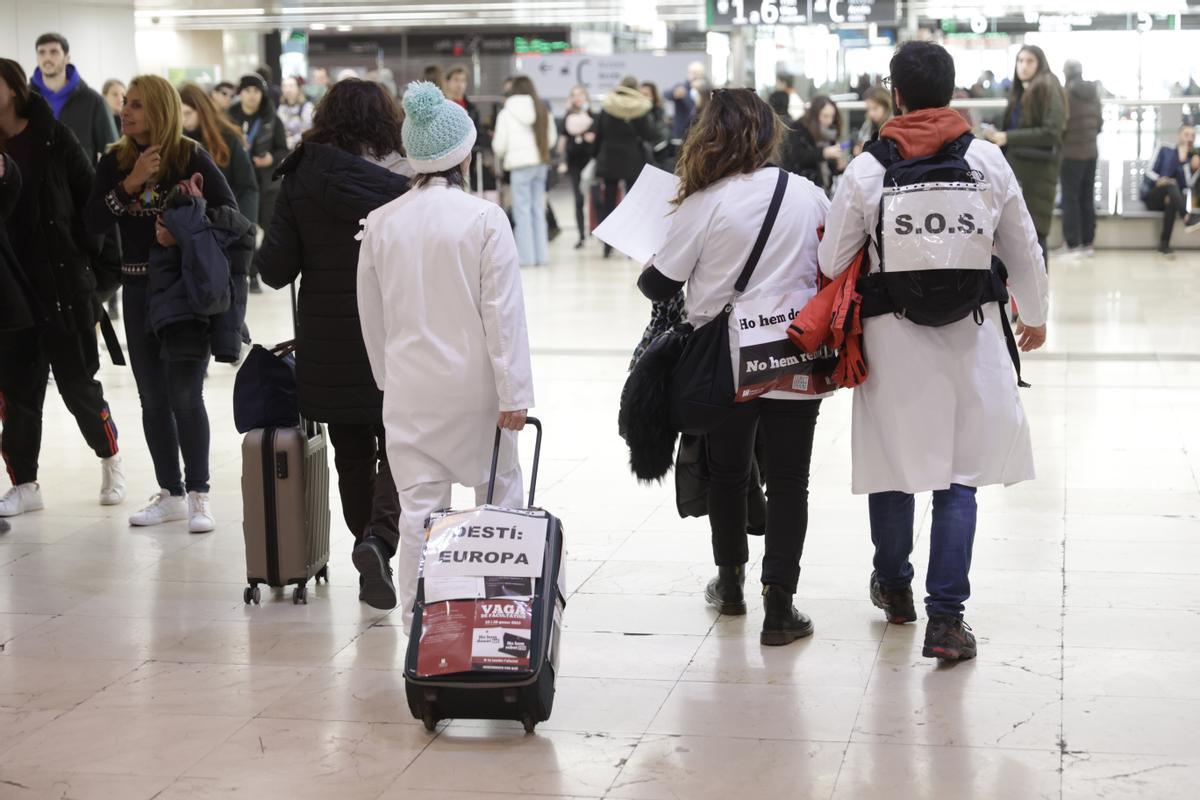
(702, 390)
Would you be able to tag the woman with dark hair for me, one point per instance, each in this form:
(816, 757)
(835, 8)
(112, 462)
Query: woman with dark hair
(625, 133)
(225, 143)
(1031, 134)
(577, 148)
(114, 94)
(347, 165)
(132, 183)
(57, 272)
(443, 318)
(811, 149)
(525, 133)
(726, 186)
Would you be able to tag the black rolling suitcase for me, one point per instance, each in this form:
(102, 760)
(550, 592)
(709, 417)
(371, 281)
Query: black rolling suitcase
(493, 655)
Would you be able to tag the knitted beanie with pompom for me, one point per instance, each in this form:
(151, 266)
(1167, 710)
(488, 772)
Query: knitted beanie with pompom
(437, 134)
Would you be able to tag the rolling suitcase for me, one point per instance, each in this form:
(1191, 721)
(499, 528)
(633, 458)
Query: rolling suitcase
(485, 637)
(285, 505)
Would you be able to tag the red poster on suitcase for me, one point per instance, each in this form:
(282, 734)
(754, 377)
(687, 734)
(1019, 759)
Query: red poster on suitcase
(447, 632)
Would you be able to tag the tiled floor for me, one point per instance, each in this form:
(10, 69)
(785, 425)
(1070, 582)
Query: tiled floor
(130, 668)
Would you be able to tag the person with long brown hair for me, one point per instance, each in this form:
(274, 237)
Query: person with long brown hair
(130, 192)
(1031, 134)
(811, 149)
(347, 165)
(525, 132)
(725, 189)
(224, 141)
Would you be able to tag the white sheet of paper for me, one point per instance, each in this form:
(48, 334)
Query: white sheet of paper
(639, 225)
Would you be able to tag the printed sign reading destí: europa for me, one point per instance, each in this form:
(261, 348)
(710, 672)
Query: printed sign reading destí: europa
(486, 541)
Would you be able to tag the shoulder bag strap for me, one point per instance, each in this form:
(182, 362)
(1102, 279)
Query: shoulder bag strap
(763, 234)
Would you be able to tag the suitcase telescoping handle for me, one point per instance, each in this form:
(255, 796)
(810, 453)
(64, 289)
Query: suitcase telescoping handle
(537, 454)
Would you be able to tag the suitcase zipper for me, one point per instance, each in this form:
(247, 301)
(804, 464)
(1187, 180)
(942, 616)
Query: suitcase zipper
(269, 511)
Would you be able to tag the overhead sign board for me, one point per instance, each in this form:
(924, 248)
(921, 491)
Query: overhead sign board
(733, 13)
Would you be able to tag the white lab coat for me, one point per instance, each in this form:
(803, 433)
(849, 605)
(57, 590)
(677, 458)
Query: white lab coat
(939, 405)
(443, 318)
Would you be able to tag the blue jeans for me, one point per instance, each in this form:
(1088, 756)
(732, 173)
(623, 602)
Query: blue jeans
(529, 214)
(950, 544)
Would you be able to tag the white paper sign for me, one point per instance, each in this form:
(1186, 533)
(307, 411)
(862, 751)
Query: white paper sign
(485, 542)
(937, 226)
(639, 225)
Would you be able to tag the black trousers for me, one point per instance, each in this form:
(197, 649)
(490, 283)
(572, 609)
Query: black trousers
(785, 429)
(576, 175)
(1078, 202)
(369, 501)
(26, 359)
(174, 417)
(1169, 200)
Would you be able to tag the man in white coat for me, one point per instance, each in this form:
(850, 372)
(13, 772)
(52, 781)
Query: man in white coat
(939, 410)
(443, 318)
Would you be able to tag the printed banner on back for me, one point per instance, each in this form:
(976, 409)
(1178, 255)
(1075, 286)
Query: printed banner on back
(486, 542)
(764, 358)
(475, 636)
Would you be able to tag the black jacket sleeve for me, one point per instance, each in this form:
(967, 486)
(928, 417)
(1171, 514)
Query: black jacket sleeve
(656, 286)
(10, 187)
(98, 215)
(104, 131)
(105, 248)
(279, 147)
(243, 180)
(278, 260)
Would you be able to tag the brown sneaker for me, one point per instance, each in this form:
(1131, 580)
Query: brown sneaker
(897, 604)
(948, 638)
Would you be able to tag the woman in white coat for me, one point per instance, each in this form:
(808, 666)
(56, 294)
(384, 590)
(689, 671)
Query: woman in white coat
(939, 411)
(443, 318)
(525, 134)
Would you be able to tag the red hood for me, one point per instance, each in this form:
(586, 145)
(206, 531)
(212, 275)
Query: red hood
(924, 132)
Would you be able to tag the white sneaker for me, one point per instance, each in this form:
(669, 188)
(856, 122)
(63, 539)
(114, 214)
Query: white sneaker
(19, 499)
(1089, 251)
(163, 508)
(112, 482)
(200, 519)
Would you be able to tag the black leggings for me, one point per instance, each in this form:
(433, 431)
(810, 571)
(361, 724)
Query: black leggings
(576, 175)
(369, 502)
(785, 450)
(1169, 200)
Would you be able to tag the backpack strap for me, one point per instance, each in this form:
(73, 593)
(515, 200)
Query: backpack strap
(764, 233)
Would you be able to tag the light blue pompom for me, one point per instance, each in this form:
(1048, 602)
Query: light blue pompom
(422, 101)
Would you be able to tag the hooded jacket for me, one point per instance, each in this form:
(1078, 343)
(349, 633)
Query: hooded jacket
(81, 109)
(1085, 118)
(65, 265)
(325, 193)
(623, 131)
(265, 134)
(515, 142)
(199, 285)
(1034, 149)
(16, 296)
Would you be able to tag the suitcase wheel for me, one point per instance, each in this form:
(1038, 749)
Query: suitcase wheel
(300, 595)
(429, 720)
(251, 594)
(529, 722)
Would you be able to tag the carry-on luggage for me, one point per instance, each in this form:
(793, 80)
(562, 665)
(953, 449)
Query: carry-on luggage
(285, 497)
(488, 614)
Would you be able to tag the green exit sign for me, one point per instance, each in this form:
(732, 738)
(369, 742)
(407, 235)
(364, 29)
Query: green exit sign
(523, 46)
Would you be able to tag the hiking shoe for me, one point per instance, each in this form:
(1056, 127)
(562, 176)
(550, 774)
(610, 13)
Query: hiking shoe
(948, 638)
(897, 604)
(782, 623)
(725, 591)
(200, 518)
(22, 498)
(164, 507)
(112, 481)
(1191, 223)
(374, 566)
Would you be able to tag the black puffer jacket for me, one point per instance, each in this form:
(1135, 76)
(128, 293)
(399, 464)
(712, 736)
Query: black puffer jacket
(65, 265)
(326, 192)
(16, 296)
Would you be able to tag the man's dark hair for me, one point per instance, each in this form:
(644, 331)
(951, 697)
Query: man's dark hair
(225, 85)
(54, 38)
(456, 70)
(923, 75)
(786, 79)
(266, 73)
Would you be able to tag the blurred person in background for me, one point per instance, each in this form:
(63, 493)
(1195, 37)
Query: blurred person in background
(625, 138)
(319, 85)
(224, 141)
(660, 152)
(347, 165)
(686, 98)
(1175, 168)
(1085, 118)
(72, 101)
(879, 111)
(64, 267)
(456, 92)
(786, 84)
(1031, 134)
(295, 112)
(525, 134)
(273, 90)
(434, 74)
(576, 143)
(265, 138)
(133, 180)
(812, 150)
(223, 95)
(114, 95)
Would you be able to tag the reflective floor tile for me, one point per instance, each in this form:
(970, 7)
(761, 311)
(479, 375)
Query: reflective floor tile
(936, 773)
(750, 711)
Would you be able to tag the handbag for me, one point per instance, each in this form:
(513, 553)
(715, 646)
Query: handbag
(264, 391)
(702, 386)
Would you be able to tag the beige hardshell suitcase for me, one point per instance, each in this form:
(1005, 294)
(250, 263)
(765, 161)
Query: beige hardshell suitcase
(285, 502)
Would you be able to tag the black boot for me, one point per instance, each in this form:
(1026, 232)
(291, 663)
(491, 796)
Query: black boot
(254, 287)
(725, 591)
(783, 624)
(375, 574)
